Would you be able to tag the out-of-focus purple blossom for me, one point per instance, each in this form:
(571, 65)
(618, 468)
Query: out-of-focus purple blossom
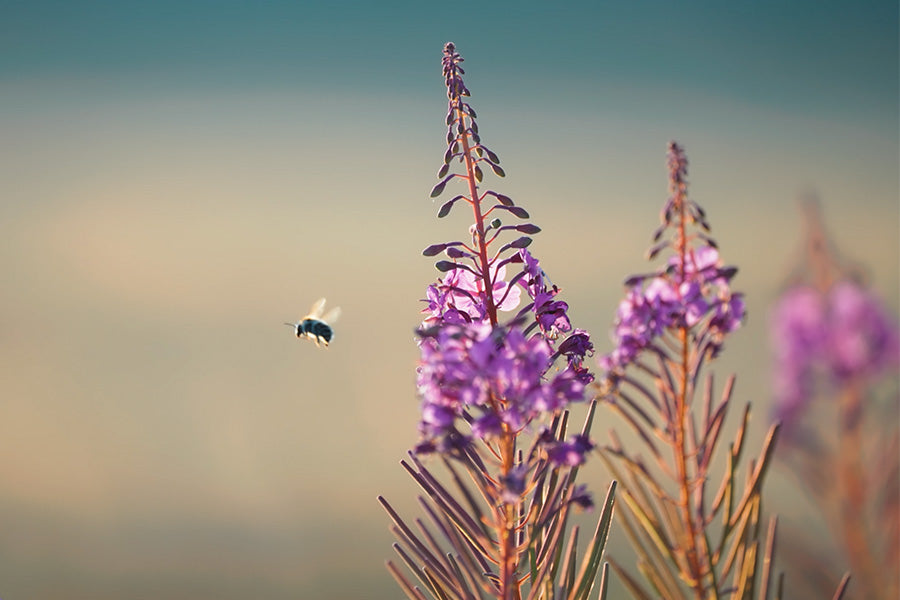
(844, 333)
(570, 453)
(582, 497)
(864, 339)
(513, 484)
(700, 264)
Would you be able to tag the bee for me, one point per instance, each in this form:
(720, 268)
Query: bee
(316, 327)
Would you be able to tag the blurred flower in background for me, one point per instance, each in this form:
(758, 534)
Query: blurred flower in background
(836, 352)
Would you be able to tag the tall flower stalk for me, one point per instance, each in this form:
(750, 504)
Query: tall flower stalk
(500, 365)
(834, 348)
(674, 321)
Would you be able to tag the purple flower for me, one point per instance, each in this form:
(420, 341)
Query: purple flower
(582, 497)
(459, 297)
(690, 292)
(843, 334)
(505, 298)
(570, 453)
(480, 377)
(656, 303)
(513, 484)
(577, 344)
(863, 339)
(497, 372)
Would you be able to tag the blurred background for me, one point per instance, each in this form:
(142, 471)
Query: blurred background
(177, 179)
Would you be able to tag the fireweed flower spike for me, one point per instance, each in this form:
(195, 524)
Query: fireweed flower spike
(500, 365)
(671, 324)
(836, 349)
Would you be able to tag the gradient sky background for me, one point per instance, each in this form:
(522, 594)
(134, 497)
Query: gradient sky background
(180, 178)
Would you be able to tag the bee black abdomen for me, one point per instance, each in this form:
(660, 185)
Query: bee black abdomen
(315, 329)
(322, 330)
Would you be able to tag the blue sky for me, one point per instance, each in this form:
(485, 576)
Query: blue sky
(836, 57)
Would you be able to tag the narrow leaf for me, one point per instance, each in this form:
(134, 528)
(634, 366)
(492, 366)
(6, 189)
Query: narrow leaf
(637, 592)
(842, 587)
(604, 581)
(411, 592)
(766, 578)
(594, 552)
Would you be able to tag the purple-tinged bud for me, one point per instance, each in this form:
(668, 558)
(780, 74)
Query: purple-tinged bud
(439, 188)
(446, 265)
(434, 249)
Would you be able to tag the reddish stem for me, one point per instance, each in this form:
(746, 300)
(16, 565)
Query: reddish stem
(506, 515)
(682, 406)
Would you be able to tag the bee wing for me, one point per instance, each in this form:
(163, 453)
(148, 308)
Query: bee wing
(333, 315)
(315, 311)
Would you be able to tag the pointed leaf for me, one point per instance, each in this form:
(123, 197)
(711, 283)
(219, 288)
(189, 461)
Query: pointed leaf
(842, 586)
(591, 564)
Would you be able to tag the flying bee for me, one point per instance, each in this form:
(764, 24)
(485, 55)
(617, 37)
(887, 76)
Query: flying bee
(316, 327)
